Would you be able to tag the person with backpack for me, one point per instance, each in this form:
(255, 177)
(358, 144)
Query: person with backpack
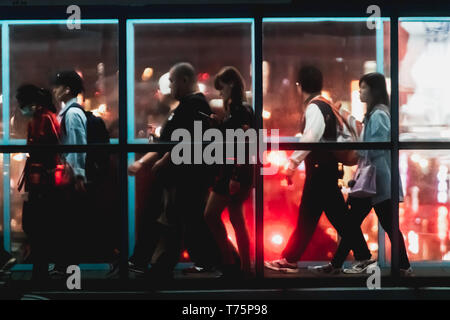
(320, 191)
(38, 178)
(376, 127)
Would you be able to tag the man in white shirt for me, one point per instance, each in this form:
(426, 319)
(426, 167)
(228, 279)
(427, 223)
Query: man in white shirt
(320, 192)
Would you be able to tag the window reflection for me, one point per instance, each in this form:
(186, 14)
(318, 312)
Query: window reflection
(423, 81)
(207, 46)
(336, 48)
(281, 206)
(38, 51)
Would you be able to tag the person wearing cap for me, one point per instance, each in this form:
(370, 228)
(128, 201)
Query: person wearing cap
(66, 87)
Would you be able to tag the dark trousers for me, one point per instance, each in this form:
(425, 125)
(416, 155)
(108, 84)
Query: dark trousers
(320, 193)
(359, 209)
(186, 224)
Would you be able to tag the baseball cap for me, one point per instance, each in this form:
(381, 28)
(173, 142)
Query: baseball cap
(69, 79)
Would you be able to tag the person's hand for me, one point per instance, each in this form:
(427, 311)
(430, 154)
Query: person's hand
(289, 175)
(80, 186)
(158, 166)
(337, 105)
(134, 168)
(234, 187)
(214, 120)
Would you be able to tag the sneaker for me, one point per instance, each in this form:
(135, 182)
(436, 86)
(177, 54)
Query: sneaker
(282, 265)
(7, 263)
(360, 266)
(136, 268)
(406, 272)
(325, 269)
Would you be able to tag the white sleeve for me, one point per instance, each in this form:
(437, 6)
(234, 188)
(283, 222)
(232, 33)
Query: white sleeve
(314, 130)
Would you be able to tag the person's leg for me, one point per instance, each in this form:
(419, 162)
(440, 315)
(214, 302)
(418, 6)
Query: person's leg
(242, 238)
(199, 238)
(213, 216)
(385, 216)
(309, 213)
(352, 237)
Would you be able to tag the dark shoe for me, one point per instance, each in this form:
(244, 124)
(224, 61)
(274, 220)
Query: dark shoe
(360, 266)
(137, 268)
(7, 263)
(327, 269)
(196, 270)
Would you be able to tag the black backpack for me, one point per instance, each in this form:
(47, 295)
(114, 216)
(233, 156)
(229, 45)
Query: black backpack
(97, 161)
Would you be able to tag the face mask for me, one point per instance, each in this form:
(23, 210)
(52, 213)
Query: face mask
(27, 111)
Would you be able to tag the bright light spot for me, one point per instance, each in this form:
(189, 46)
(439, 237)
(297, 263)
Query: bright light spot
(13, 223)
(442, 197)
(417, 221)
(100, 111)
(442, 222)
(147, 74)
(446, 256)
(415, 158)
(413, 240)
(442, 176)
(339, 59)
(277, 239)
(366, 236)
(331, 232)
(158, 131)
(442, 186)
(185, 255)
(443, 169)
(19, 157)
(202, 87)
(266, 114)
(164, 84)
(326, 95)
(1, 98)
(284, 183)
(423, 163)
(443, 247)
(278, 158)
(373, 246)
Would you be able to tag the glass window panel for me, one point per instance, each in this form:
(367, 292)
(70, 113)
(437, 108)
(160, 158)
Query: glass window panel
(424, 219)
(93, 228)
(149, 226)
(281, 209)
(343, 50)
(423, 79)
(207, 46)
(38, 51)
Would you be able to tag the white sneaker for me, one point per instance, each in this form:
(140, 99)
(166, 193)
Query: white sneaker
(360, 266)
(282, 265)
(406, 272)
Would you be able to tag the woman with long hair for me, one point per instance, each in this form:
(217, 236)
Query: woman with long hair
(38, 177)
(234, 182)
(376, 128)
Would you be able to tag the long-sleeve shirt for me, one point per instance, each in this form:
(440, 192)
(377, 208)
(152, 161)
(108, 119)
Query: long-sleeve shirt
(314, 130)
(74, 132)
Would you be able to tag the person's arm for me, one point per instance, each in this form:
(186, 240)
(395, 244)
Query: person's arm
(314, 129)
(379, 131)
(354, 124)
(76, 135)
(161, 163)
(148, 159)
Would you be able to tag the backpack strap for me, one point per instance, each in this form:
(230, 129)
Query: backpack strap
(63, 118)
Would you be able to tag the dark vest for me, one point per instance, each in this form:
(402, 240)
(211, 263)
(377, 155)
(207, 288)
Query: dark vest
(324, 162)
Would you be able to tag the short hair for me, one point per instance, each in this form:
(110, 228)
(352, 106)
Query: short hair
(30, 94)
(310, 79)
(71, 79)
(185, 69)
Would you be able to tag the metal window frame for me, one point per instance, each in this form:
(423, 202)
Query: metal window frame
(259, 14)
